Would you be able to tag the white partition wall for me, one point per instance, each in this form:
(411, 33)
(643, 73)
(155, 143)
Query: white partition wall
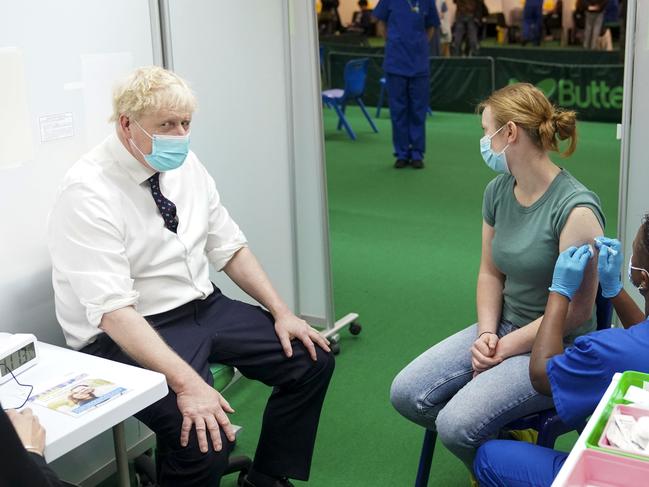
(70, 53)
(253, 66)
(634, 173)
(315, 283)
(58, 61)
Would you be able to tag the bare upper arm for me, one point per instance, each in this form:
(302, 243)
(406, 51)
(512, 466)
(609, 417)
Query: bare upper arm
(486, 261)
(581, 228)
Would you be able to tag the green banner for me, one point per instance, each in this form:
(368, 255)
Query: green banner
(593, 91)
(456, 84)
(459, 84)
(567, 55)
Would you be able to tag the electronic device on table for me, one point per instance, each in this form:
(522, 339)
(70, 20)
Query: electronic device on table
(17, 354)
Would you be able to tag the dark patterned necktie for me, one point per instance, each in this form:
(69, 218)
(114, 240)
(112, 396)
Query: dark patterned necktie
(166, 207)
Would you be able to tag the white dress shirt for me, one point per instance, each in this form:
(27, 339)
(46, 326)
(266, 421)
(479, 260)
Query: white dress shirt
(110, 248)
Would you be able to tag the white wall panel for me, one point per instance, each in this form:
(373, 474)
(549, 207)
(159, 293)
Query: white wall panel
(253, 66)
(55, 38)
(634, 175)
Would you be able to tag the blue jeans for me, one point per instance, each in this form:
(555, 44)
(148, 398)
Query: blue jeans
(516, 464)
(437, 391)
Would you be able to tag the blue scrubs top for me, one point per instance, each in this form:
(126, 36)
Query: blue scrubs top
(580, 376)
(406, 49)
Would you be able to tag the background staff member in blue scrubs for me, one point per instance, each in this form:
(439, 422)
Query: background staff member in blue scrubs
(410, 26)
(533, 22)
(577, 378)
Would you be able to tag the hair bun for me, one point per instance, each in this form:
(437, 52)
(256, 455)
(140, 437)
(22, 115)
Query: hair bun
(565, 123)
(531, 110)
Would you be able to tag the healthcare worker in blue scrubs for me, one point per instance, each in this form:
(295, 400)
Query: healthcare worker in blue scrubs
(577, 377)
(533, 22)
(407, 26)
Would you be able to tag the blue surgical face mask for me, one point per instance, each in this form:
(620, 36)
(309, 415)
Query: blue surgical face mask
(167, 151)
(496, 161)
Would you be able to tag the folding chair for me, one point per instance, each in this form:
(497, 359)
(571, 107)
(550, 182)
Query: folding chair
(355, 75)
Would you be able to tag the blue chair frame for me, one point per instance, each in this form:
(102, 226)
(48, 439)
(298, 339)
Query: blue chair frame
(323, 69)
(547, 423)
(355, 75)
(379, 104)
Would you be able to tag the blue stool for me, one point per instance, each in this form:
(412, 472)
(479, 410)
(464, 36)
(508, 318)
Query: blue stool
(379, 104)
(547, 423)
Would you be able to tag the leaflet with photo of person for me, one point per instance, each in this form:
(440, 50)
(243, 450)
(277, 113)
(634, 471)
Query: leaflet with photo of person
(77, 394)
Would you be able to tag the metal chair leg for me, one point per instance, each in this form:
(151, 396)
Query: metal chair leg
(426, 458)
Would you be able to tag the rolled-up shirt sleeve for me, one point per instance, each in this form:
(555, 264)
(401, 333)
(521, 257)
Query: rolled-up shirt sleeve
(88, 252)
(224, 237)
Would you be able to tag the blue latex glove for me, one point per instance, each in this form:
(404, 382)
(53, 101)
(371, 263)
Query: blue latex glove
(569, 270)
(609, 265)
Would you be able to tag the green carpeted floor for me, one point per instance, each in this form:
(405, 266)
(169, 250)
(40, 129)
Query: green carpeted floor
(406, 248)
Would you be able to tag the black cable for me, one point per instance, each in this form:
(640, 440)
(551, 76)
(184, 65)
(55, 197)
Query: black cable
(29, 394)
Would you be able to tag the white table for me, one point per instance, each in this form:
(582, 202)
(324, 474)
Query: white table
(580, 445)
(64, 432)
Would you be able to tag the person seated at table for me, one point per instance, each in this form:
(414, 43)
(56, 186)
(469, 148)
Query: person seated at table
(22, 440)
(362, 20)
(135, 226)
(329, 19)
(578, 377)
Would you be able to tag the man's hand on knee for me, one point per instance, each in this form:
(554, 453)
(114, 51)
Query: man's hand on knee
(290, 326)
(203, 408)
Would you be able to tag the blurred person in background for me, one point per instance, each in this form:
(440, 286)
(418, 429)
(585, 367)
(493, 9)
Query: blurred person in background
(594, 21)
(533, 22)
(466, 25)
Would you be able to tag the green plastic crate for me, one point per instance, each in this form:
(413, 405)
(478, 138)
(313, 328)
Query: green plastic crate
(629, 378)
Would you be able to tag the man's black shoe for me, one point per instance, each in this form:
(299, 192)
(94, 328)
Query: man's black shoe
(277, 483)
(400, 164)
(417, 164)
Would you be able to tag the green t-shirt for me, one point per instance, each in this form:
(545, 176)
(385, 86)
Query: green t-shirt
(525, 246)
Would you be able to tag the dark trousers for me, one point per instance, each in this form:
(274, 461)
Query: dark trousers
(408, 98)
(533, 21)
(465, 26)
(594, 22)
(230, 332)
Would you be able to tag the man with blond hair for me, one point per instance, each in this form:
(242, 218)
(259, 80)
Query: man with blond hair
(135, 225)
